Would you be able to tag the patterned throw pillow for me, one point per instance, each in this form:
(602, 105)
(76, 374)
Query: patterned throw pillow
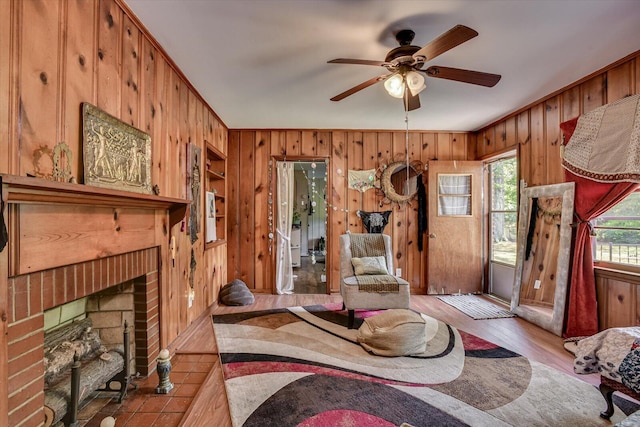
(369, 265)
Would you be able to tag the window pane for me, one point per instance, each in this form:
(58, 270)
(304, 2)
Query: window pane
(454, 195)
(608, 249)
(504, 186)
(504, 232)
(628, 209)
(454, 205)
(617, 236)
(454, 184)
(503, 195)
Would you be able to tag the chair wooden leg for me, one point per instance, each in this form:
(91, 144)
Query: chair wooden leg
(344, 307)
(352, 316)
(607, 393)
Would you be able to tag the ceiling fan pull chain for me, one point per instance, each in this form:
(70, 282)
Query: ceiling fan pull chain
(406, 137)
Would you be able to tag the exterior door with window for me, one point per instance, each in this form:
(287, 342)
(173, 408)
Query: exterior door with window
(455, 227)
(503, 226)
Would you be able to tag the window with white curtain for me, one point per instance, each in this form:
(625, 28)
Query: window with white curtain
(454, 195)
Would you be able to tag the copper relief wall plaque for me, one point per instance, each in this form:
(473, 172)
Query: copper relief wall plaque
(116, 155)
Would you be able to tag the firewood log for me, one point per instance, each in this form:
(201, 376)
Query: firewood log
(94, 374)
(69, 332)
(57, 362)
(48, 416)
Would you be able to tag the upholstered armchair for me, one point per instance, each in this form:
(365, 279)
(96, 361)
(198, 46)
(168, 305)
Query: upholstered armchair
(368, 283)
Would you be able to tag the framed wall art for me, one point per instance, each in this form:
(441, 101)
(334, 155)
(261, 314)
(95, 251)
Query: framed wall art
(116, 155)
(211, 217)
(194, 157)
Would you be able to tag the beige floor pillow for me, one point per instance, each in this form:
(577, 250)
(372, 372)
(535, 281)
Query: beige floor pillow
(395, 332)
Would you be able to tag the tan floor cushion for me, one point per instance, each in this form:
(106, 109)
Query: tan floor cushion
(395, 332)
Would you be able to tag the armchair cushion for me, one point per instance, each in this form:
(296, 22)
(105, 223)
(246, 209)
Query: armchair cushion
(369, 298)
(369, 265)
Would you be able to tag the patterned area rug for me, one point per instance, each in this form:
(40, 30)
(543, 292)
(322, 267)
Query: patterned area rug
(302, 367)
(475, 307)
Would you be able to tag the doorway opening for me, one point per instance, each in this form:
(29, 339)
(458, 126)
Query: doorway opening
(307, 208)
(310, 195)
(503, 215)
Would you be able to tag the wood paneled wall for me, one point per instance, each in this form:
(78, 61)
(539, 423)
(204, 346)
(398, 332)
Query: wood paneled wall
(534, 131)
(56, 54)
(618, 299)
(250, 154)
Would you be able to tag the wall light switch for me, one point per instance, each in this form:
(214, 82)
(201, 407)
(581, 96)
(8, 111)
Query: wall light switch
(537, 284)
(398, 272)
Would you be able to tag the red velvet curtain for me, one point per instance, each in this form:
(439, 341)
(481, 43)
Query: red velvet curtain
(592, 199)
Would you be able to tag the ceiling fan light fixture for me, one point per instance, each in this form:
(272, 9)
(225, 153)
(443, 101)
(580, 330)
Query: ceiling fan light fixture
(405, 62)
(395, 86)
(415, 82)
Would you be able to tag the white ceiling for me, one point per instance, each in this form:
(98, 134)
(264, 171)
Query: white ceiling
(263, 63)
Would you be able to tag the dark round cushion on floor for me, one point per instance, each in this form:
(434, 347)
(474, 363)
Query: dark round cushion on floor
(396, 332)
(236, 293)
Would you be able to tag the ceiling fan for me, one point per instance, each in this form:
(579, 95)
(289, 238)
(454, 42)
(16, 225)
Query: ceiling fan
(405, 66)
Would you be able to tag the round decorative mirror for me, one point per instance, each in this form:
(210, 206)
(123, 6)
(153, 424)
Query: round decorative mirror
(398, 183)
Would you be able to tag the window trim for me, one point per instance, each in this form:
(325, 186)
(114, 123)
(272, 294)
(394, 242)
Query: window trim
(615, 266)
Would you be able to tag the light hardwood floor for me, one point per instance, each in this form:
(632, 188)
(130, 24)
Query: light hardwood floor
(308, 277)
(210, 405)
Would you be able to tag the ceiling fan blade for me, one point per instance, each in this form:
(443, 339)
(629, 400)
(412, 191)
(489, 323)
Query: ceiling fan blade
(357, 62)
(465, 76)
(452, 38)
(359, 87)
(413, 103)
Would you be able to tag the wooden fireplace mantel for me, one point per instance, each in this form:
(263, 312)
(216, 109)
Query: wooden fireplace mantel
(36, 190)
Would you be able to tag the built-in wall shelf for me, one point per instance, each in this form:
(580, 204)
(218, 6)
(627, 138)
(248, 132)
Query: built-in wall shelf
(22, 189)
(214, 175)
(215, 182)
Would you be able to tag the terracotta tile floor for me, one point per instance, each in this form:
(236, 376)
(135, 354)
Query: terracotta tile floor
(142, 406)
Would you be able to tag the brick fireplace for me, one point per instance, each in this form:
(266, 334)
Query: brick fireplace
(65, 242)
(31, 294)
